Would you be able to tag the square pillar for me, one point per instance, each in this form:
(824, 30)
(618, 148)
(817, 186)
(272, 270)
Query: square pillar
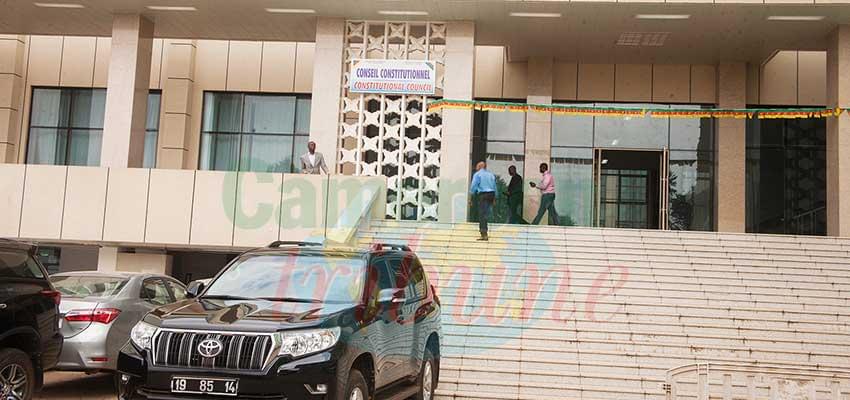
(838, 133)
(12, 70)
(176, 110)
(731, 149)
(327, 89)
(538, 132)
(127, 90)
(457, 124)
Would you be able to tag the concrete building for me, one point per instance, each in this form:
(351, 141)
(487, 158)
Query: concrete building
(160, 136)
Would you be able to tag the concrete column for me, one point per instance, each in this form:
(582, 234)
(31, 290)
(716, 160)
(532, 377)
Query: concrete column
(175, 132)
(538, 131)
(327, 88)
(457, 124)
(731, 149)
(112, 259)
(127, 91)
(838, 133)
(12, 63)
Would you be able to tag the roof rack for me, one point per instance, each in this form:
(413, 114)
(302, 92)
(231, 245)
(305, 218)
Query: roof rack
(390, 246)
(281, 243)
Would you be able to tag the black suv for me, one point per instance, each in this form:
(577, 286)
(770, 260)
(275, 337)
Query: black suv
(295, 320)
(30, 341)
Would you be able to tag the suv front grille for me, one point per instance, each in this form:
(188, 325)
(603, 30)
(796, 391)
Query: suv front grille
(240, 350)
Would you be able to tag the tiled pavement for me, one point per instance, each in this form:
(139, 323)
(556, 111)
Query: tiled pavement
(73, 385)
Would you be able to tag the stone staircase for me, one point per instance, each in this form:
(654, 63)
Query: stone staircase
(584, 313)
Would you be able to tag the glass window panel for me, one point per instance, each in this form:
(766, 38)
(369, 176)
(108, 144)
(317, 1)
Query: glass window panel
(571, 130)
(149, 160)
(572, 169)
(50, 108)
(46, 146)
(632, 132)
(87, 108)
(691, 133)
(152, 123)
(691, 178)
(222, 112)
(84, 148)
(269, 114)
(302, 116)
(505, 126)
(219, 152)
(266, 153)
(299, 148)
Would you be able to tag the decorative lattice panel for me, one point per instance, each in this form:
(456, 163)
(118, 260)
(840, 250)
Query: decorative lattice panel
(394, 136)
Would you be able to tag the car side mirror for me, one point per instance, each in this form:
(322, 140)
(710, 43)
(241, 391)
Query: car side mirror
(391, 296)
(194, 289)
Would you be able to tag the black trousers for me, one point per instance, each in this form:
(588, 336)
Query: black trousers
(485, 206)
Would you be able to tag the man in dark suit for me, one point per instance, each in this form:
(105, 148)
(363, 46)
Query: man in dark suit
(514, 194)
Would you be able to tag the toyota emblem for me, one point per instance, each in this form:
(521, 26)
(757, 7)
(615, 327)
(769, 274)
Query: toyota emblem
(210, 348)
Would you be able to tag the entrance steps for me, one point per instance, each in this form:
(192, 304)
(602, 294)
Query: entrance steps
(542, 312)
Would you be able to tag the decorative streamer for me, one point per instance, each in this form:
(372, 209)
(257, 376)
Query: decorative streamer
(613, 111)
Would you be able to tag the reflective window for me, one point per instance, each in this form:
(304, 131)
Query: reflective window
(66, 126)
(691, 172)
(786, 176)
(152, 130)
(499, 139)
(18, 264)
(572, 169)
(253, 132)
(155, 292)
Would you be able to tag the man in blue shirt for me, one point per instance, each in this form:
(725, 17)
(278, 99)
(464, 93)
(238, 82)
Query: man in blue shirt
(483, 185)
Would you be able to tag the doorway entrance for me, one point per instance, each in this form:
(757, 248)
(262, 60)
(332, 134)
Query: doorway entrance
(630, 188)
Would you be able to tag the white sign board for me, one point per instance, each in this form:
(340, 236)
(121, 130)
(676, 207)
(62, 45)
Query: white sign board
(415, 77)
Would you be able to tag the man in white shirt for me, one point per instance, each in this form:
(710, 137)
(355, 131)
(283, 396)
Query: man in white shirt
(313, 162)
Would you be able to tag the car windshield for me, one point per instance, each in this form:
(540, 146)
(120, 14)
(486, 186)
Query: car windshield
(88, 285)
(292, 277)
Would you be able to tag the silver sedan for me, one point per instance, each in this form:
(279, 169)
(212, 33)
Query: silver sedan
(99, 309)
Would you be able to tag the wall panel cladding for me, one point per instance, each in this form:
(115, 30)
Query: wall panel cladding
(789, 78)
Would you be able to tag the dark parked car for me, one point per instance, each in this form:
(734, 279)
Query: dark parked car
(294, 321)
(30, 341)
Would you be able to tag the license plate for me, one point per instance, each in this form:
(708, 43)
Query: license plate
(213, 386)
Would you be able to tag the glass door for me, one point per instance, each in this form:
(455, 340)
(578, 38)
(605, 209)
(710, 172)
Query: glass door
(630, 188)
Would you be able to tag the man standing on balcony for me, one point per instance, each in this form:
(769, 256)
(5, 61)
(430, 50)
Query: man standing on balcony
(547, 202)
(313, 161)
(483, 185)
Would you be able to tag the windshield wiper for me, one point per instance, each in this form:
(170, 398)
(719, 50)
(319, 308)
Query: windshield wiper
(226, 297)
(291, 299)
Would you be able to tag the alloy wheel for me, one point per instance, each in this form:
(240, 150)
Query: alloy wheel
(427, 381)
(13, 379)
(356, 394)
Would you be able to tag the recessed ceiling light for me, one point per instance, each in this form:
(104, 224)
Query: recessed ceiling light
(172, 8)
(59, 5)
(535, 15)
(391, 12)
(796, 18)
(663, 16)
(291, 10)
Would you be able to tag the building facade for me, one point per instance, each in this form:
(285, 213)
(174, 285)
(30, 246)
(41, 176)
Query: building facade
(135, 118)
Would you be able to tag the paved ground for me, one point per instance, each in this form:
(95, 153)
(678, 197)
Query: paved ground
(77, 386)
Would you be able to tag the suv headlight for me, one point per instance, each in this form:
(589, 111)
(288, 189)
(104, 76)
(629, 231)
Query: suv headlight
(142, 334)
(299, 343)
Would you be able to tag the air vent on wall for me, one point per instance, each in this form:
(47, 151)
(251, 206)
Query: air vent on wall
(652, 39)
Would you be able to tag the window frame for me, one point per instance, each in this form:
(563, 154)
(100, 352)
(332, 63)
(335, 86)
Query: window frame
(155, 281)
(158, 126)
(294, 163)
(65, 131)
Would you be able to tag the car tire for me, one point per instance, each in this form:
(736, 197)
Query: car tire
(426, 383)
(356, 388)
(17, 375)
